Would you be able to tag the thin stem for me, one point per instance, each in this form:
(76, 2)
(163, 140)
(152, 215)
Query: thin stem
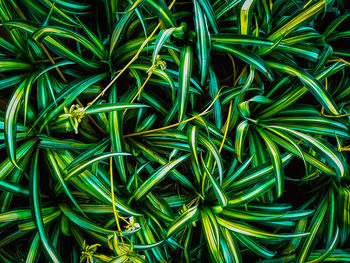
(228, 117)
(130, 62)
(226, 127)
(175, 124)
(115, 212)
(307, 4)
(140, 89)
(47, 60)
(340, 60)
(240, 75)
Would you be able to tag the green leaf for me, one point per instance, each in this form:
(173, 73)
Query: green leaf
(11, 64)
(276, 161)
(119, 30)
(233, 253)
(57, 173)
(43, 32)
(313, 229)
(157, 177)
(321, 147)
(311, 83)
(161, 11)
(78, 169)
(182, 221)
(247, 56)
(241, 132)
(203, 40)
(212, 233)
(162, 38)
(34, 249)
(219, 192)
(297, 20)
(115, 121)
(108, 107)
(210, 15)
(85, 223)
(250, 231)
(11, 116)
(35, 201)
(184, 80)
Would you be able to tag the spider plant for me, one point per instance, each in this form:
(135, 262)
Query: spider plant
(174, 131)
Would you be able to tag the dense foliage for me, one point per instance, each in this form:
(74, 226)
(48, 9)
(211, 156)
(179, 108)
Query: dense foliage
(183, 131)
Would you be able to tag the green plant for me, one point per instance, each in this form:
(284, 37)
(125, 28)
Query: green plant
(158, 131)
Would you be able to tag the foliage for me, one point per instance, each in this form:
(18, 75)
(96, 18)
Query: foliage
(184, 131)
